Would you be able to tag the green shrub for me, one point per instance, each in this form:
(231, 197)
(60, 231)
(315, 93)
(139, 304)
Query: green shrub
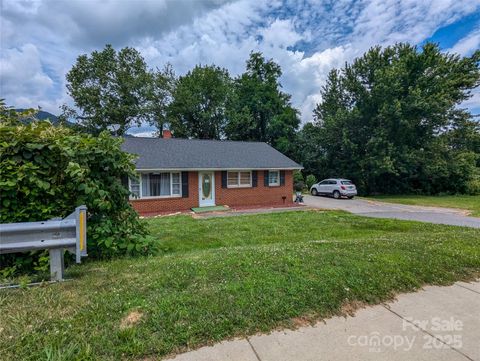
(47, 171)
(297, 177)
(311, 180)
(298, 186)
(473, 186)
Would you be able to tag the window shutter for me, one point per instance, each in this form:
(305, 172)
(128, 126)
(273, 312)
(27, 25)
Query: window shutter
(224, 179)
(282, 177)
(254, 178)
(124, 180)
(184, 184)
(265, 178)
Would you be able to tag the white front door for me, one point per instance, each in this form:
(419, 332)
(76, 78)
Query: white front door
(206, 189)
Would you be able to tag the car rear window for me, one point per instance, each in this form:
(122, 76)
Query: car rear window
(347, 182)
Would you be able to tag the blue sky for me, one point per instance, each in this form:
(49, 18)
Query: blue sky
(449, 35)
(40, 39)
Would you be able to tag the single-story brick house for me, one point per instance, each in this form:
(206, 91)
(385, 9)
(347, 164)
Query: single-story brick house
(179, 174)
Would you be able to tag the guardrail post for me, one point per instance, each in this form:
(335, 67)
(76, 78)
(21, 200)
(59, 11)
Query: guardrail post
(56, 235)
(56, 264)
(81, 232)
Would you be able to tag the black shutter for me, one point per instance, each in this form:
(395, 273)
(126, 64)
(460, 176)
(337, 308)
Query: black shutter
(254, 178)
(184, 184)
(265, 178)
(124, 180)
(282, 177)
(224, 179)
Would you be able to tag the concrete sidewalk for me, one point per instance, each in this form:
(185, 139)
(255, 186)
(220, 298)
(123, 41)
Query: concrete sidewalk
(436, 323)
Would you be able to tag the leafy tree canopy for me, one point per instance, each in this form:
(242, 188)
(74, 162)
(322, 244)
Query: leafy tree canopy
(391, 122)
(199, 101)
(159, 97)
(259, 110)
(110, 90)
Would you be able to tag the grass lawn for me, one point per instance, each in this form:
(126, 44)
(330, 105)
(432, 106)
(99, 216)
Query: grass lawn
(470, 203)
(223, 277)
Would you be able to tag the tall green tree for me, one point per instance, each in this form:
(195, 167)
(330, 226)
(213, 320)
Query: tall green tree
(110, 90)
(391, 121)
(159, 97)
(259, 110)
(198, 107)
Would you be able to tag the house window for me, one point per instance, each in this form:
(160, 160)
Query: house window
(245, 179)
(274, 178)
(135, 187)
(156, 185)
(176, 184)
(239, 179)
(232, 179)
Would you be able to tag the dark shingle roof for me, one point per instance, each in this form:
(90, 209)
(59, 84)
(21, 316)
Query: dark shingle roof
(158, 153)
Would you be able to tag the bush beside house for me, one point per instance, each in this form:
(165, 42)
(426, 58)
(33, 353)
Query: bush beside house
(47, 171)
(310, 180)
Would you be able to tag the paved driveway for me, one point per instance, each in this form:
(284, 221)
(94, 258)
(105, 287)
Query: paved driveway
(398, 211)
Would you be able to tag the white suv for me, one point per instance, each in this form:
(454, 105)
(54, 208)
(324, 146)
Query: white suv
(334, 187)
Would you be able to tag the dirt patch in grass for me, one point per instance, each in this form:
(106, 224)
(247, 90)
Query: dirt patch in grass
(350, 308)
(131, 320)
(302, 321)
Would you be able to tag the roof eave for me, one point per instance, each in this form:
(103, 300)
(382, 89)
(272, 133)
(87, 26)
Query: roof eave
(215, 169)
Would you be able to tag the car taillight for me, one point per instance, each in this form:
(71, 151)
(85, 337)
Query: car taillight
(343, 187)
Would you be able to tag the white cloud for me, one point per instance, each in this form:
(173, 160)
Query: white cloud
(93, 23)
(22, 76)
(468, 44)
(306, 38)
(147, 134)
(280, 33)
(305, 77)
(390, 21)
(225, 37)
(473, 103)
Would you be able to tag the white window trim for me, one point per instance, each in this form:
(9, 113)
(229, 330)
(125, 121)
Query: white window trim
(155, 197)
(171, 185)
(277, 184)
(238, 185)
(131, 196)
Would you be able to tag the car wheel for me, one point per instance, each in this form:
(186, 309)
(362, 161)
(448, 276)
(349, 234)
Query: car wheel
(336, 194)
(314, 192)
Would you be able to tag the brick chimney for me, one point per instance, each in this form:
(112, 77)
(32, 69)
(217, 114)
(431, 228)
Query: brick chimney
(166, 134)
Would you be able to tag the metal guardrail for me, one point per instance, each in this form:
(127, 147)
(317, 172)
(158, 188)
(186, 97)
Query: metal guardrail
(56, 235)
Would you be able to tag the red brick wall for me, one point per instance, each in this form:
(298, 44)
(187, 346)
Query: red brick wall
(159, 205)
(259, 195)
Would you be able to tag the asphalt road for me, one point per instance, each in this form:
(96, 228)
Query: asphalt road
(375, 209)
